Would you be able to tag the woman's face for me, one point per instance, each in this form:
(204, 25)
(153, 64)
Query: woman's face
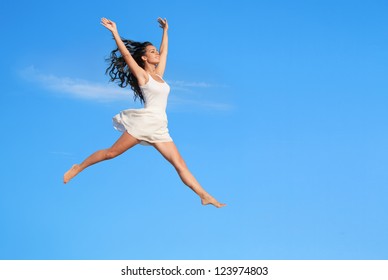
(152, 55)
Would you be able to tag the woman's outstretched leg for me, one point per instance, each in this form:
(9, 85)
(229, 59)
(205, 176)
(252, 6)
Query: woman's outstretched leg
(125, 142)
(170, 152)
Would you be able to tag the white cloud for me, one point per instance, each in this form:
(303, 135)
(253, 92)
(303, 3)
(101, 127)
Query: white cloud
(186, 86)
(98, 92)
(195, 97)
(77, 88)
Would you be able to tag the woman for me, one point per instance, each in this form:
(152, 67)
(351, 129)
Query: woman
(142, 67)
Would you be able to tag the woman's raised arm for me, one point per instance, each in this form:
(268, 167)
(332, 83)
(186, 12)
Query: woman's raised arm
(163, 48)
(139, 72)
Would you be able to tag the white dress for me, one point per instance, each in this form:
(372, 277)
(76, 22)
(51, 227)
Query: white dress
(149, 124)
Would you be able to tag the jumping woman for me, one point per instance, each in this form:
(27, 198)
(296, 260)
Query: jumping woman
(141, 66)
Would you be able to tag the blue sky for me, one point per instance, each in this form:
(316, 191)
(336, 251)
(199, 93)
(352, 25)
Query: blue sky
(278, 107)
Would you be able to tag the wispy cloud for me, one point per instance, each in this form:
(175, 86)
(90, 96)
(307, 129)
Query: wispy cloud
(188, 86)
(194, 95)
(77, 88)
(98, 92)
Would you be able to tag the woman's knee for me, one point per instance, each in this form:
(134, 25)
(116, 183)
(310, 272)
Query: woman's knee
(111, 153)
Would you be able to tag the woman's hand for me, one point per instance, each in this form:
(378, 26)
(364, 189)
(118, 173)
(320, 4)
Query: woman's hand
(163, 23)
(110, 25)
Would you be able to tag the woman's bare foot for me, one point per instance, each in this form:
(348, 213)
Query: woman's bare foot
(211, 200)
(73, 171)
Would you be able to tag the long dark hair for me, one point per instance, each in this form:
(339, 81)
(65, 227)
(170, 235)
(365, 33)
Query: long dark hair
(119, 71)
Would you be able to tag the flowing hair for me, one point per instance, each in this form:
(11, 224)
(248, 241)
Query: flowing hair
(118, 69)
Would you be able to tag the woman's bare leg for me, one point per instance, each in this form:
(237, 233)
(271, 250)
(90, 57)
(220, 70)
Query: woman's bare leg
(170, 152)
(125, 142)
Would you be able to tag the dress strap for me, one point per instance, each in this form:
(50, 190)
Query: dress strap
(158, 76)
